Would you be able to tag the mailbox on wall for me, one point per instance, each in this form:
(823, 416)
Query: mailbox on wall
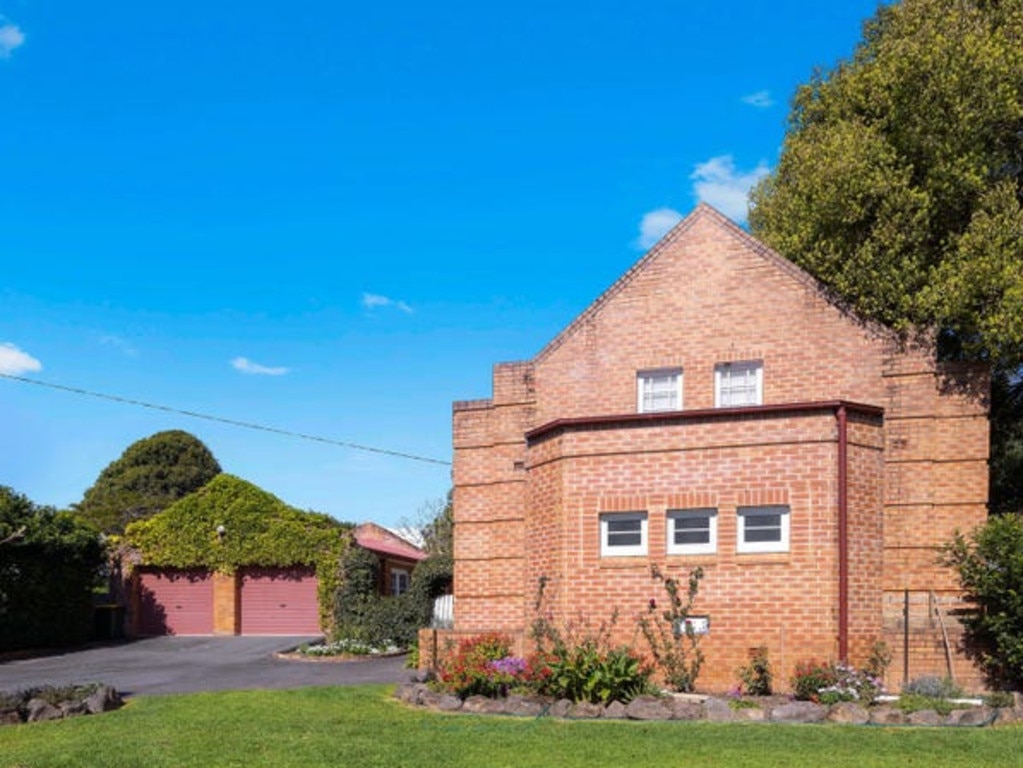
(695, 625)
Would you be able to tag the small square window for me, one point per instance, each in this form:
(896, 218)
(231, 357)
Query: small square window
(659, 390)
(399, 581)
(622, 533)
(763, 529)
(739, 384)
(692, 531)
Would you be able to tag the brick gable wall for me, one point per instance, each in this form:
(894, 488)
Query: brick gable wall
(709, 294)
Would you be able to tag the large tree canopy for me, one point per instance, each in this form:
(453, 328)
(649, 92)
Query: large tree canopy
(901, 178)
(149, 476)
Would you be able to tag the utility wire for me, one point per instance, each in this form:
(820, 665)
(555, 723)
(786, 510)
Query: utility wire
(222, 420)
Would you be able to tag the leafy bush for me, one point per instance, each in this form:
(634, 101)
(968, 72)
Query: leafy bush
(674, 646)
(999, 700)
(757, 676)
(914, 702)
(989, 563)
(484, 666)
(581, 663)
(830, 683)
(49, 563)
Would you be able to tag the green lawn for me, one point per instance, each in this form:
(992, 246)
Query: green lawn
(364, 726)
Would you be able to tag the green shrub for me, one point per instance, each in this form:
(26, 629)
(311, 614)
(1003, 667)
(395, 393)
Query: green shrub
(757, 677)
(483, 666)
(989, 563)
(811, 677)
(933, 688)
(830, 683)
(914, 702)
(1000, 700)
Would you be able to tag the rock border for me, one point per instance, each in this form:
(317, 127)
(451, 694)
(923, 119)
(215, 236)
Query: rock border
(38, 705)
(694, 707)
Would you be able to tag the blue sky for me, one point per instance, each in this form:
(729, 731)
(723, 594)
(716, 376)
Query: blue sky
(334, 218)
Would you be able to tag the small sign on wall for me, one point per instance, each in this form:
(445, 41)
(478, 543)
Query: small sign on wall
(695, 625)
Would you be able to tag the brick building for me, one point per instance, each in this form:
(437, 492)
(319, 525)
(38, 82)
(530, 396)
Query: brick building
(715, 408)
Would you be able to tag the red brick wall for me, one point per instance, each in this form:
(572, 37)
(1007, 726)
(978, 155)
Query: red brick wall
(709, 294)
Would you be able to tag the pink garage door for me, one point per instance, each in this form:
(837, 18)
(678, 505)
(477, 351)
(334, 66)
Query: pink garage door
(175, 603)
(279, 601)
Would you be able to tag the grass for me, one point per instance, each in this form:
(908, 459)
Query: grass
(365, 726)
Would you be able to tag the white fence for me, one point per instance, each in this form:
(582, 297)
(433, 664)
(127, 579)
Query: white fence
(443, 612)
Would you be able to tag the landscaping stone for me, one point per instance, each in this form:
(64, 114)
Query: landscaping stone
(648, 708)
(718, 711)
(103, 699)
(584, 710)
(39, 711)
(445, 702)
(615, 711)
(685, 710)
(1007, 716)
(975, 716)
(848, 713)
(410, 693)
(524, 706)
(887, 716)
(799, 712)
(484, 705)
(10, 717)
(925, 717)
(752, 714)
(560, 708)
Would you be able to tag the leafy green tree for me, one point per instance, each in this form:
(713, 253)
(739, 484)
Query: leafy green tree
(150, 475)
(49, 562)
(899, 184)
(989, 562)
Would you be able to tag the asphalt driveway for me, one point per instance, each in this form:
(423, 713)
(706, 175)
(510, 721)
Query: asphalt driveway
(186, 664)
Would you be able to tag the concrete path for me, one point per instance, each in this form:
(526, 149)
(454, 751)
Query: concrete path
(186, 664)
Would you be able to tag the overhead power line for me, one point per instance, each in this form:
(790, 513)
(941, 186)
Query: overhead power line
(223, 420)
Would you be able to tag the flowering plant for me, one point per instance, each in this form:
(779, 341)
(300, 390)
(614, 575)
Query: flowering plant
(830, 683)
(484, 665)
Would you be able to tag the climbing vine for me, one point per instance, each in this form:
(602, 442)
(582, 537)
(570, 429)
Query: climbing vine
(230, 523)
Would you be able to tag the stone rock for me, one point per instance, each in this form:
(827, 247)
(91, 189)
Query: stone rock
(685, 710)
(524, 706)
(799, 712)
(584, 710)
(1007, 716)
(974, 716)
(752, 714)
(484, 705)
(560, 708)
(615, 711)
(925, 717)
(39, 711)
(442, 701)
(72, 708)
(718, 711)
(103, 699)
(887, 716)
(648, 708)
(410, 693)
(848, 713)
(10, 717)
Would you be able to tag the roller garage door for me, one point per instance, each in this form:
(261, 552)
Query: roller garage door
(175, 603)
(279, 601)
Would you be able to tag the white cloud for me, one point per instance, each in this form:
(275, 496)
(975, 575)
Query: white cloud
(11, 37)
(760, 99)
(374, 300)
(245, 365)
(656, 225)
(720, 184)
(15, 362)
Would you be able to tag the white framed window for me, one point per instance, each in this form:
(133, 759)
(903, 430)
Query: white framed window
(659, 390)
(622, 534)
(399, 581)
(738, 384)
(692, 531)
(763, 529)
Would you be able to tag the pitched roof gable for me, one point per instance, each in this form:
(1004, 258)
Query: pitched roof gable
(702, 212)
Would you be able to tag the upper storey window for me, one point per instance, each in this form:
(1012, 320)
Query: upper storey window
(659, 390)
(739, 384)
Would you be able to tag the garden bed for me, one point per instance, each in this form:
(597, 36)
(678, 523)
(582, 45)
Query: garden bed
(692, 707)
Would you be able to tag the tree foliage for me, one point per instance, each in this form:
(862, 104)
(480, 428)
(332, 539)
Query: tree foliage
(49, 562)
(149, 476)
(901, 178)
(989, 562)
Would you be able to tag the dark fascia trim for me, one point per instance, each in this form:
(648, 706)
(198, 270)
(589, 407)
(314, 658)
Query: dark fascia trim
(704, 414)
